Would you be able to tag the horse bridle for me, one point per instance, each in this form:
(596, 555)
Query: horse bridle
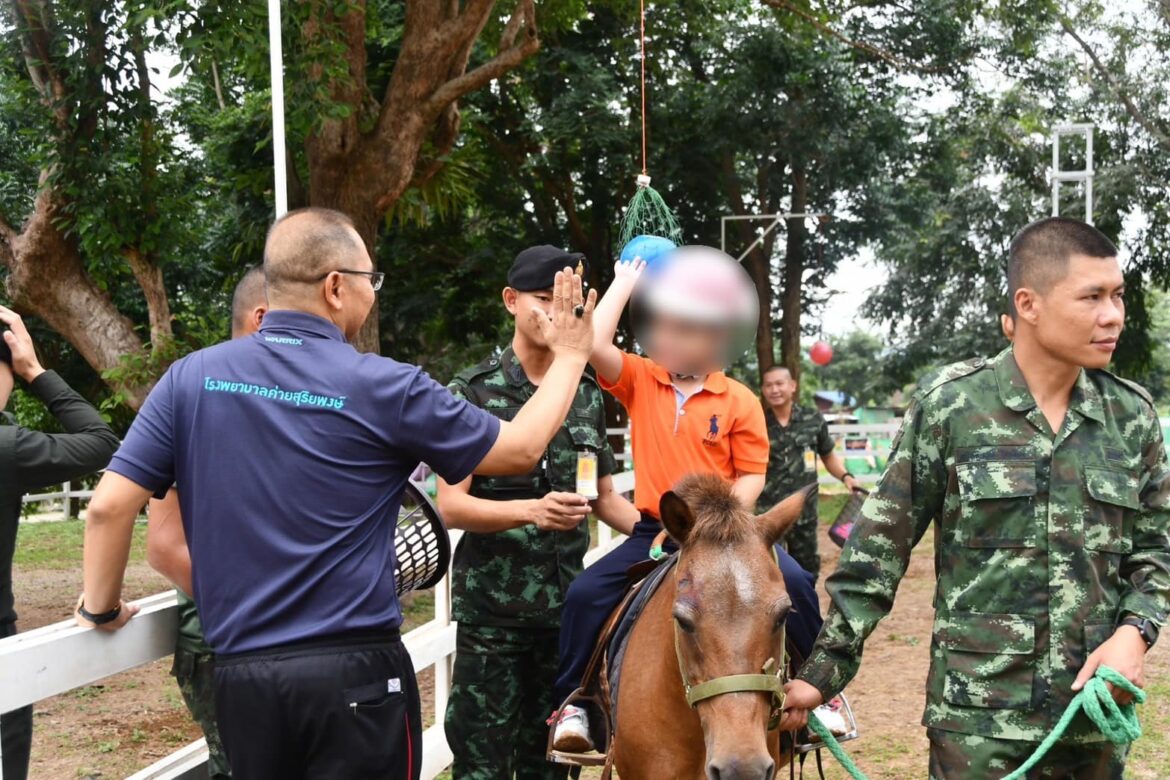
(771, 679)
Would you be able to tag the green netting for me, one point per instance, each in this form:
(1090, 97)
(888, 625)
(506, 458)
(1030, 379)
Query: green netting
(648, 215)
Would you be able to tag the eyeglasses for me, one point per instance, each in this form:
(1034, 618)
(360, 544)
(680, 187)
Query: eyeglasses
(376, 277)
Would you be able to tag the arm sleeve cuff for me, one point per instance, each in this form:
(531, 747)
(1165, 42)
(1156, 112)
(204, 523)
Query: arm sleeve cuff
(819, 672)
(750, 467)
(484, 442)
(144, 477)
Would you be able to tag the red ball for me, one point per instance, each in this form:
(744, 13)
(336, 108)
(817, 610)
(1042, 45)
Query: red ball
(821, 353)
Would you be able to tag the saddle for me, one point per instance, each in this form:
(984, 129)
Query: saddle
(599, 685)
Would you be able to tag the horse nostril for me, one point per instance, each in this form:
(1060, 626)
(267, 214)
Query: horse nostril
(770, 770)
(713, 772)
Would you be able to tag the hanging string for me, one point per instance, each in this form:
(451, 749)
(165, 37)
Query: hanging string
(647, 214)
(642, 28)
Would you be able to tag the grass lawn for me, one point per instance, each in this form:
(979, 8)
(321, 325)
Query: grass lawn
(57, 545)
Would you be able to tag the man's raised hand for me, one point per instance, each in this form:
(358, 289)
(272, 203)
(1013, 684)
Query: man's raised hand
(566, 333)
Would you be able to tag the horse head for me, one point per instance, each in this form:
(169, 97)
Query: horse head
(729, 611)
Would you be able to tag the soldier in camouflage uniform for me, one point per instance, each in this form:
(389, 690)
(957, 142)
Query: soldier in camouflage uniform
(194, 671)
(1047, 483)
(797, 437)
(166, 549)
(524, 542)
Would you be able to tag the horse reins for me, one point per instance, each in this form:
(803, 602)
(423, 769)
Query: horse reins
(770, 680)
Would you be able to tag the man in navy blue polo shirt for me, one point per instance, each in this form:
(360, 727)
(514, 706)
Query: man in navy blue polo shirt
(292, 451)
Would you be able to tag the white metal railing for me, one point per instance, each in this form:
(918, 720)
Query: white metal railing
(60, 657)
(65, 495)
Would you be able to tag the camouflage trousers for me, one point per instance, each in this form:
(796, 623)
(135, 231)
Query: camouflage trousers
(955, 756)
(801, 539)
(501, 697)
(195, 674)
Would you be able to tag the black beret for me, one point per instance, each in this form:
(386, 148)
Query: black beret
(536, 267)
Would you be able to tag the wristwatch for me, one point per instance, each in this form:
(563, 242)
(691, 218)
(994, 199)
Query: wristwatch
(101, 618)
(1147, 628)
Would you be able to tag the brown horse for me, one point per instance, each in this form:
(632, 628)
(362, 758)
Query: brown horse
(725, 605)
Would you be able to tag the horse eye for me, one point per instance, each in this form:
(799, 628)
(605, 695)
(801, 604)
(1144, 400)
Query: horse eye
(780, 619)
(685, 623)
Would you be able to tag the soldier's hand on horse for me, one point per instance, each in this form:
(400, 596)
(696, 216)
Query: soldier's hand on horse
(20, 343)
(851, 483)
(559, 511)
(1125, 651)
(567, 332)
(800, 699)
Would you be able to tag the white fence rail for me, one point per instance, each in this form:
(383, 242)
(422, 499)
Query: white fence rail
(60, 657)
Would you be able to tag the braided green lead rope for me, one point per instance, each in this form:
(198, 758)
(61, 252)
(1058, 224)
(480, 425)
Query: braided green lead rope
(830, 742)
(1118, 722)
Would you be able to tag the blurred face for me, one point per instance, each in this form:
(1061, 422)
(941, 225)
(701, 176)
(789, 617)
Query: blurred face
(1078, 320)
(520, 305)
(686, 347)
(778, 387)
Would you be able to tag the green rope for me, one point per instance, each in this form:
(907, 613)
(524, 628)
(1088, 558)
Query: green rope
(1118, 722)
(822, 731)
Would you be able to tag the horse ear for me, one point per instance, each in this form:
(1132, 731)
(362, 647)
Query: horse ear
(777, 520)
(676, 516)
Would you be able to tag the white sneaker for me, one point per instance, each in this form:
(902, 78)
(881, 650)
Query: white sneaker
(830, 715)
(572, 731)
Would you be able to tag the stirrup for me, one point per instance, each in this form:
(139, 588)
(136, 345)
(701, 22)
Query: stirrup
(811, 741)
(593, 758)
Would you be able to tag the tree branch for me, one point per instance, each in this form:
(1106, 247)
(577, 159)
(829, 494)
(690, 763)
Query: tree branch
(868, 48)
(37, 22)
(1116, 88)
(505, 60)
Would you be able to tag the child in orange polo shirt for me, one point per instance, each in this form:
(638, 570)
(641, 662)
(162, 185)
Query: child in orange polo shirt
(686, 416)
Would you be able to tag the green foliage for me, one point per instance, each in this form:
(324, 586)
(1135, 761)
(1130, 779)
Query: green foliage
(856, 369)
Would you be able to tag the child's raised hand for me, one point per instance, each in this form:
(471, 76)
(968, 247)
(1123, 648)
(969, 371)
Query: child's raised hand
(629, 269)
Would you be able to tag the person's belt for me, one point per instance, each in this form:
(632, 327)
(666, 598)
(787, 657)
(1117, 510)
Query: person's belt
(348, 641)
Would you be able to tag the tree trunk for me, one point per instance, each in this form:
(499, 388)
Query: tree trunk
(47, 278)
(793, 276)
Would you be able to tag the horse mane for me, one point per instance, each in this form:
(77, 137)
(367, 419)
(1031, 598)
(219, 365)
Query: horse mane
(720, 518)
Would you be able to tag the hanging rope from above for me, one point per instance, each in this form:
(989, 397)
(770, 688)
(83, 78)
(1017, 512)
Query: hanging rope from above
(647, 213)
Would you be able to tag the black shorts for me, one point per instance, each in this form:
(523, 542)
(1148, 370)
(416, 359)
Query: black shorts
(339, 708)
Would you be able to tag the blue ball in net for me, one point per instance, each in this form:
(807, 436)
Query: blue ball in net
(652, 249)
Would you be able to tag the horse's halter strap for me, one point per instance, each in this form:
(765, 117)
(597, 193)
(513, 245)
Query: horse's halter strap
(770, 680)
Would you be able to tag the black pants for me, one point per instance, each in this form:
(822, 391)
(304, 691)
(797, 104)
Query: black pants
(342, 708)
(15, 731)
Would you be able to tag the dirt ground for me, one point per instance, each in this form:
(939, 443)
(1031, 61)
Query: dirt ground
(128, 721)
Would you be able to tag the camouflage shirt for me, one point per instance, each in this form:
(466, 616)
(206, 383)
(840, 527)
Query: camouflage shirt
(792, 455)
(1042, 543)
(519, 577)
(190, 636)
